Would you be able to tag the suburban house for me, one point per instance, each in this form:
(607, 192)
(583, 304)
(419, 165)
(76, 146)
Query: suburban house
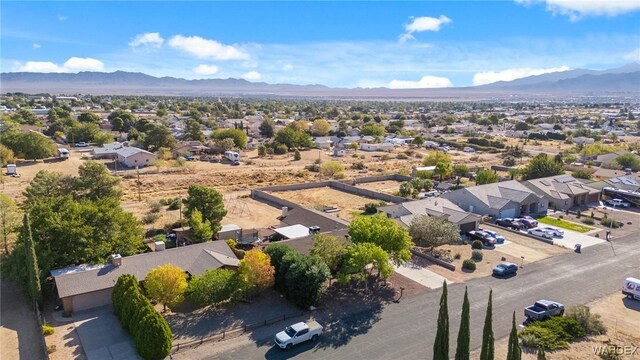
(624, 182)
(189, 148)
(404, 212)
(605, 159)
(88, 286)
(500, 200)
(311, 217)
(323, 142)
(564, 191)
(376, 147)
(107, 151)
(132, 156)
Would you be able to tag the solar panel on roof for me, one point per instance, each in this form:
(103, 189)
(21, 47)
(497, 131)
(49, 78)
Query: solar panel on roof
(615, 180)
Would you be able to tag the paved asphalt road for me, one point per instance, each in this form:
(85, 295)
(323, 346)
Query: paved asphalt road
(407, 330)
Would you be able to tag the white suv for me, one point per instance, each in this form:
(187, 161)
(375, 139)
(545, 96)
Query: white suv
(541, 232)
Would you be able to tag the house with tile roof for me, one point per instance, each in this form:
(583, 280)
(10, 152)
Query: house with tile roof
(500, 200)
(564, 191)
(88, 286)
(404, 213)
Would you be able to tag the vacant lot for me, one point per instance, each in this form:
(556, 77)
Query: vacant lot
(350, 205)
(621, 318)
(388, 187)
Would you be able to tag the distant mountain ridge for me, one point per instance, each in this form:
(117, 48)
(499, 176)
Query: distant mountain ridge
(622, 80)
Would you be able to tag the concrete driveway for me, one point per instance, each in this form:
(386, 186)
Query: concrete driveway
(102, 336)
(422, 276)
(571, 238)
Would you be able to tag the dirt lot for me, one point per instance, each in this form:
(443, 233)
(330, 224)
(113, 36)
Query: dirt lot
(388, 187)
(620, 316)
(519, 245)
(350, 205)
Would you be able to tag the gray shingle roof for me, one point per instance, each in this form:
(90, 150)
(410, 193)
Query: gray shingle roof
(438, 207)
(498, 195)
(312, 217)
(194, 259)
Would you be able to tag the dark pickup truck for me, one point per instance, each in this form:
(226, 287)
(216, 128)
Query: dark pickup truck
(543, 310)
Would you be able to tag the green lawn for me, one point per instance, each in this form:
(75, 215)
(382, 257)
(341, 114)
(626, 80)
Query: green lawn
(564, 224)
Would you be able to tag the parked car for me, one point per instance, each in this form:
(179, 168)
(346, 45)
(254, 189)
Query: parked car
(617, 203)
(486, 239)
(505, 268)
(540, 232)
(81, 144)
(510, 223)
(499, 238)
(298, 333)
(528, 221)
(631, 288)
(190, 158)
(543, 309)
(468, 149)
(554, 232)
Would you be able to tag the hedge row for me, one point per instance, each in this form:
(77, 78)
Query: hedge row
(300, 277)
(149, 329)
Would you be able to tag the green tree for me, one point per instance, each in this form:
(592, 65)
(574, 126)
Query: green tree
(443, 170)
(434, 157)
(521, 126)
(541, 166)
(305, 280)
(213, 287)
(485, 176)
(95, 182)
(582, 174)
(293, 138)
(418, 140)
(629, 161)
(460, 169)
(9, 221)
(6, 156)
(209, 202)
(239, 136)
(330, 249)
(441, 343)
(513, 351)
(124, 124)
(30, 145)
(487, 348)
(25, 116)
(267, 128)
(193, 131)
(33, 270)
(225, 144)
(372, 130)
(277, 254)
(86, 132)
(296, 155)
(262, 150)
(384, 232)
(256, 270)
(200, 230)
(431, 231)
(158, 136)
(88, 117)
(166, 284)
(360, 260)
(464, 333)
(320, 127)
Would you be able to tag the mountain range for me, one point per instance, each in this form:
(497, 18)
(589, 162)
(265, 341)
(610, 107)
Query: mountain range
(622, 81)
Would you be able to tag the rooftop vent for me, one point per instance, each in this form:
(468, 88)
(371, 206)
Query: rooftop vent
(116, 260)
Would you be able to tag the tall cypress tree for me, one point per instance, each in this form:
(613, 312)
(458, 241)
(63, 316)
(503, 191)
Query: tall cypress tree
(514, 352)
(486, 352)
(441, 345)
(33, 271)
(464, 333)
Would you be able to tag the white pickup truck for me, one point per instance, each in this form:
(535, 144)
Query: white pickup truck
(297, 333)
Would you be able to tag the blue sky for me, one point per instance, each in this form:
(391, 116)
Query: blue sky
(339, 44)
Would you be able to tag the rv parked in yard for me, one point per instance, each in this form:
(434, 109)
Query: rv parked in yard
(631, 288)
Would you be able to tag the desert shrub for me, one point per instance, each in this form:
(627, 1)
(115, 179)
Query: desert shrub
(476, 244)
(528, 340)
(476, 255)
(588, 221)
(535, 336)
(372, 207)
(564, 327)
(296, 155)
(280, 149)
(385, 157)
(402, 156)
(509, 161)
(47, 330)
(174, 204)
(469, 265)
(591, 323)
(609, 222)
(155, 207)
(150, 218)
(609, 353)
(358, 165)
(332, 169)
(457, 256)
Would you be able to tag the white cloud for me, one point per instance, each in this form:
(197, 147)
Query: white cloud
(252, 76)
(62, 18)
(287, 67)
(633, 55)
(73, 64)
(151, 39)
(426, 82)
(83, 64)
(205, 69)
(36, 46)
(489, 77)
(39, 66)
(422, 23)
(207, 49)
(576, 9)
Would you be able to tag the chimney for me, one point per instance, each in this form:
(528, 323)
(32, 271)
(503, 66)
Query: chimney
(285, 211)
(116, 259)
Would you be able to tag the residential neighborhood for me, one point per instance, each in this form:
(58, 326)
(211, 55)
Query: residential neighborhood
(219, 180)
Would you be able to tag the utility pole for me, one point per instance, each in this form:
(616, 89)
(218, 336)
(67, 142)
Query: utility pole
(138, 171)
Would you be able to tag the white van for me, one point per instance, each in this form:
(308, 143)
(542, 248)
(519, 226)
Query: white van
(631, 288)
(232, 156)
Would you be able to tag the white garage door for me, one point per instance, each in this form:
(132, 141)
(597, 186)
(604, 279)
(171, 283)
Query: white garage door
(92, 300)
(508, 213)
